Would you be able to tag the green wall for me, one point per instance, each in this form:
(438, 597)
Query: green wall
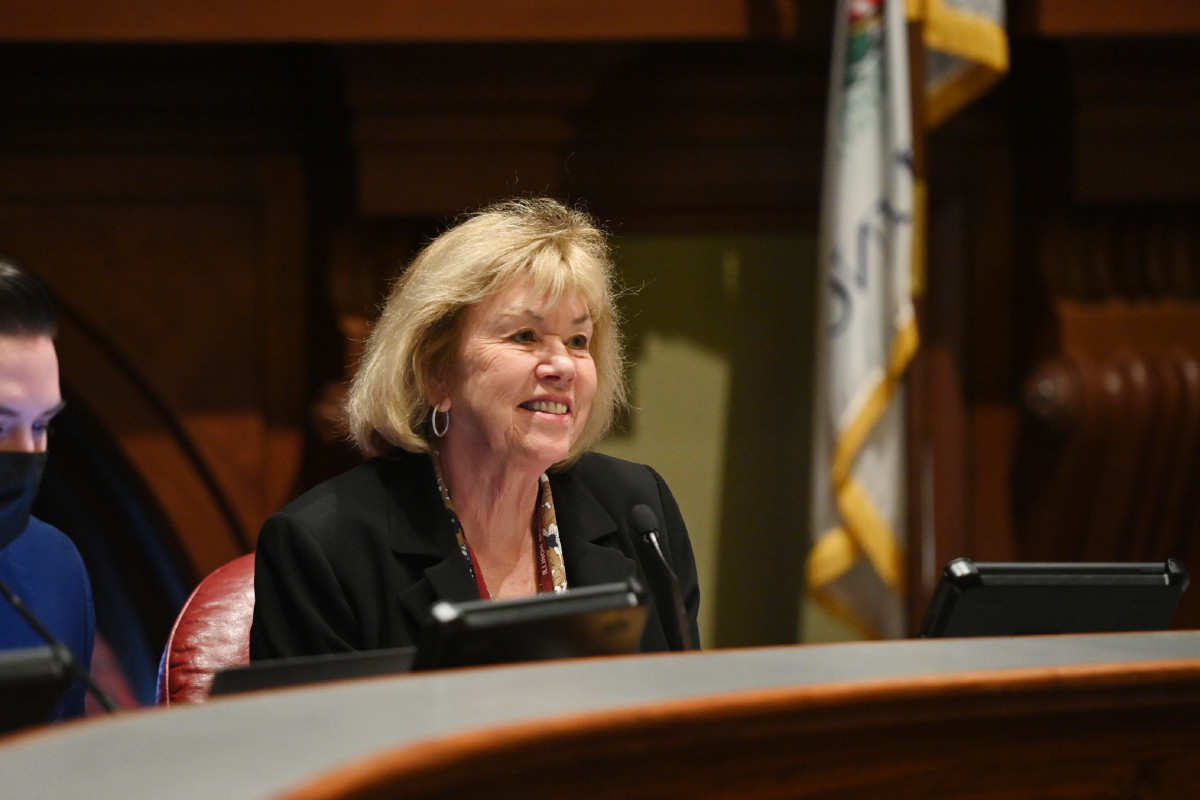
(720, 331)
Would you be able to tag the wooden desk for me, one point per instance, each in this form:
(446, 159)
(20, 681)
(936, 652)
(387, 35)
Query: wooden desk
(1080, 716)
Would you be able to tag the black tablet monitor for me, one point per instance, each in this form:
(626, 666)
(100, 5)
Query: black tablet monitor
(585, 621)
(591, 620)
(278, 673)
(33, 682)
(1011, 599)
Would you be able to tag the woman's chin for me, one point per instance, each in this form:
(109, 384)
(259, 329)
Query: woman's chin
(547, 451)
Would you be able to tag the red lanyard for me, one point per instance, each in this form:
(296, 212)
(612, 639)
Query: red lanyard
(545, 578)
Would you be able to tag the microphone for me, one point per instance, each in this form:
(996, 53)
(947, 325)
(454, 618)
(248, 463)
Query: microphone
(59, 649)
(647, 525)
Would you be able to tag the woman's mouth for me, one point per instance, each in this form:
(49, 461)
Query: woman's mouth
(546, 406)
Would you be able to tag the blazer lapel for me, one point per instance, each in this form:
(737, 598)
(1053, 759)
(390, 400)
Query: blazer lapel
(445, 578)
(589, 536)
(422, 539)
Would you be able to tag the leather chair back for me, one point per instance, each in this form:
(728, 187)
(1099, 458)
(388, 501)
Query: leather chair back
(211, 633)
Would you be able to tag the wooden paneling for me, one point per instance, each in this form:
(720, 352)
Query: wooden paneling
(960, 386)
(1064, 312)
(1107, 466)
(393, 20)
(1070, 18)
(677, 136)
(168, 217)
(181, 292)
(1135, 119)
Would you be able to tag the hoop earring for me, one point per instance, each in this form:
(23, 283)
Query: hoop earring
(433, 423)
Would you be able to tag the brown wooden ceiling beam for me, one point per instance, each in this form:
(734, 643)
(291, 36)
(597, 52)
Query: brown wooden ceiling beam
(1078, 18)
(394, 20)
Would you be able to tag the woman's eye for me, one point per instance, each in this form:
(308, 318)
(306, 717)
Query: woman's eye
(579, 342)
(523, 337)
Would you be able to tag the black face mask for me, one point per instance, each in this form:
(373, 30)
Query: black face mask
(20, 476)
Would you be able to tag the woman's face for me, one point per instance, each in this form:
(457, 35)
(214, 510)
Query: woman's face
(523, 379)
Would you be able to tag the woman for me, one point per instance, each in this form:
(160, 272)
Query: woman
(494, 367)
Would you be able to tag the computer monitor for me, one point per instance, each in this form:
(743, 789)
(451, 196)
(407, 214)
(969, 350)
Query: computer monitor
(1012, 599)
(278, 673)
(584, 621)
(33, 682)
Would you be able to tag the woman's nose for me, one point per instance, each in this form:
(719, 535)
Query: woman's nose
(556, 362)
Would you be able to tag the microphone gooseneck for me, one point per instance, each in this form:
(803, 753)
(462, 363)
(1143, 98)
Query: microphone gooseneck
(647, 525)
(59, 649)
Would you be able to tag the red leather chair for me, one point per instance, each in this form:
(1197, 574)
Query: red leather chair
(211, 633)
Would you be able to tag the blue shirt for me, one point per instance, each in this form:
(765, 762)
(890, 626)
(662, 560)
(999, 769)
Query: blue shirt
(43, 567)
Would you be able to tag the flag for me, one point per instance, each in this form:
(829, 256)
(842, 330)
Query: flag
(871, 262)
(868, 334)
(966, 52)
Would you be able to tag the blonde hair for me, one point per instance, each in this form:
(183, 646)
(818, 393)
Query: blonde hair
(559, 248)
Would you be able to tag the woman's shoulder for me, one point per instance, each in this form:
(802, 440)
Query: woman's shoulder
(593, 462)
(362, 487)
(597, 470)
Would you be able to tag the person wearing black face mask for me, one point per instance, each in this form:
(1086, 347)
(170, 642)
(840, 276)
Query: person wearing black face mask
(38, 563)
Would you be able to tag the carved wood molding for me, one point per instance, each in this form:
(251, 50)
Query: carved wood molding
(1110, 467)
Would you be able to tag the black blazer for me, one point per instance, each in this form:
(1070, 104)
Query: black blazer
(356, 562)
